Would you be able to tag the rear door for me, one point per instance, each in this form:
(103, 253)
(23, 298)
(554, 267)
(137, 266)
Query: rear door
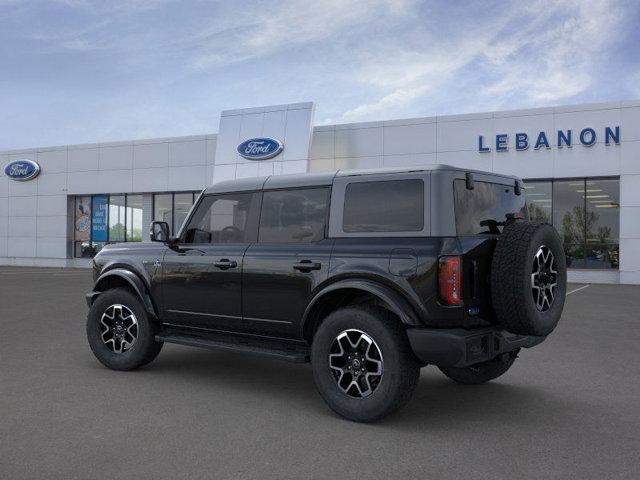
(289, 260)
(202, 273)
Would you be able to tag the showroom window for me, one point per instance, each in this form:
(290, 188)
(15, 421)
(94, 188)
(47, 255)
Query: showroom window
(586, 213)
(102, 219)
(173, 208)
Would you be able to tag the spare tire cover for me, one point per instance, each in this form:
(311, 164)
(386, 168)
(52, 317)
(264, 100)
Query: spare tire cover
(529, 278)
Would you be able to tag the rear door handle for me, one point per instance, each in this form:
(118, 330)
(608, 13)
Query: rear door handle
(225, 264)
(307, 266)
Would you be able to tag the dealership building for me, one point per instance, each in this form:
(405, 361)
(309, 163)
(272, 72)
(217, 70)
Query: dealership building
(581, 165)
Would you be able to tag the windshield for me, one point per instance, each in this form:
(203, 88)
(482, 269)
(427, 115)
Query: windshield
(484, 209)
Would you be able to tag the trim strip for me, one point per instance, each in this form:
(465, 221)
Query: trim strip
(229, 316)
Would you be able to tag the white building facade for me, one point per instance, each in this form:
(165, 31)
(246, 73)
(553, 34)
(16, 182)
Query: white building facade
(581, 165)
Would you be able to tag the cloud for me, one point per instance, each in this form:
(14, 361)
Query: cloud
(541, 53)
(553, 60)
(287, 24)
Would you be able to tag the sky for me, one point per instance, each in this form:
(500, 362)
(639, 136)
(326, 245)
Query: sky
(80, 71)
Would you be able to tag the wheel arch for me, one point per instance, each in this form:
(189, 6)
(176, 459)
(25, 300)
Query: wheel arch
(121, 277)
(353, 291)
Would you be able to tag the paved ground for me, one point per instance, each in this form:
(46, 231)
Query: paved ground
(567, 409)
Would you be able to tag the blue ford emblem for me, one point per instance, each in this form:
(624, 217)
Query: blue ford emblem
(22, 170)
(260, 148)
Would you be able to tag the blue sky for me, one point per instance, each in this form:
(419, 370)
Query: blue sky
(77, 71)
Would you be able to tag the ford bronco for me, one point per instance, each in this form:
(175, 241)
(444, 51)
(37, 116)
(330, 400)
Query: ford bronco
(368, 275)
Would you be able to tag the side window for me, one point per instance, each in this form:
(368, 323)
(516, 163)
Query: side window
(384, 206)
(227, 218)
(293, 215)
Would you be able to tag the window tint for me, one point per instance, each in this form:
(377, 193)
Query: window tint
(386, 206)
(224, 219)
(293, 215)
(486, 203)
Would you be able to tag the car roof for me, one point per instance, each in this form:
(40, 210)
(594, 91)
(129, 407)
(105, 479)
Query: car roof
(325, 178)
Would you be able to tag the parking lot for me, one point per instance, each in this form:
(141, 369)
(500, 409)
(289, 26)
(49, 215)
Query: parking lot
(569, 408)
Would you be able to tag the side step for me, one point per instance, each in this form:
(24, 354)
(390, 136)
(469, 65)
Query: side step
(278, 350)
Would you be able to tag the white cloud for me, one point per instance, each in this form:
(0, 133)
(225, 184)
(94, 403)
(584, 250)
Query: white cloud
(287, 24)
(544, 53)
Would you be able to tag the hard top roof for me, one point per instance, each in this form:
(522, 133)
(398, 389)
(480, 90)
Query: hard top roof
(325, 178)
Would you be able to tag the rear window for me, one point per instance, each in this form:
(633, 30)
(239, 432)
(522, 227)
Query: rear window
(384, 206)
(488, 203)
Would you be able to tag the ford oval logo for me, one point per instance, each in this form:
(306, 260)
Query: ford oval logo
(22, 170)
(260, 148)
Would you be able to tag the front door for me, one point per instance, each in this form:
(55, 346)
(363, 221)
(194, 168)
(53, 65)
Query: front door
(288, 262)
(202, 272)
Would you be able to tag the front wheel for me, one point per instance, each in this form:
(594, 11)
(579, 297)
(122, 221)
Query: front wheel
(119, 331)
(362, 363)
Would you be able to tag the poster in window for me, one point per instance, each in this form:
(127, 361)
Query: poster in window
(99, 208)
(83, 219)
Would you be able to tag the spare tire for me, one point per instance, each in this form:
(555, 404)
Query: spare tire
(529, 278)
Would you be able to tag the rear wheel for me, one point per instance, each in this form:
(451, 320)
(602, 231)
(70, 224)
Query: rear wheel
(362, 363)
(119, 331)
(482, 372)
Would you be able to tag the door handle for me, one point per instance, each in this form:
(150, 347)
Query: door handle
(225, 264)
(307, 266)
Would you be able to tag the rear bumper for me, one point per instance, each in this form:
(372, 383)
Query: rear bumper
(457, 347)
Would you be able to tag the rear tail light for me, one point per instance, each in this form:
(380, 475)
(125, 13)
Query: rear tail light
(450, 280)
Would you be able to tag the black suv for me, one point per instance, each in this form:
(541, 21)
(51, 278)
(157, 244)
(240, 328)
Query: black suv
(369, 275)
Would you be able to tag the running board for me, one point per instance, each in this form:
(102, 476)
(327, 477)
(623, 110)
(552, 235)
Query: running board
(289, 353)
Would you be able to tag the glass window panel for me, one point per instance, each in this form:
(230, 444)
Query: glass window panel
(223, 219)
(387, 206)
(182, 205)
(601, 256)
(539, 201)
(575, 254)
(603, 211)
(116, 218)
(163, 208)
(83, 249)
(294, 215)
(487, 202)
(134, 218)
(568, 210)
(82, 228)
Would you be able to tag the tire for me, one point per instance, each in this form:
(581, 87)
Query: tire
(480, 373)
(529, 278)
(381, 336)
(121, 353)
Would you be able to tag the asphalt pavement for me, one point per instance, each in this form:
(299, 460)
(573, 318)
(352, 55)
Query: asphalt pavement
(567, 409)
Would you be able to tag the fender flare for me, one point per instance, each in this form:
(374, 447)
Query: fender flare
(133, 280)
(396, 303)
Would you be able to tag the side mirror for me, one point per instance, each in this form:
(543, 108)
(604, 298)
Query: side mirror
(159, 232)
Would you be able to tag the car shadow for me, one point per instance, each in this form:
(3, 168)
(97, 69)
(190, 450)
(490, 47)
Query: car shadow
(437, 403)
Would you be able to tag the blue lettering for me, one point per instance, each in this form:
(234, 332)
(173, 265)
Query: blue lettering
(522, 141)
(542, 141)
(501, 142)
(481, 147)
(564, 138)
(583, 137)
(612, 135)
